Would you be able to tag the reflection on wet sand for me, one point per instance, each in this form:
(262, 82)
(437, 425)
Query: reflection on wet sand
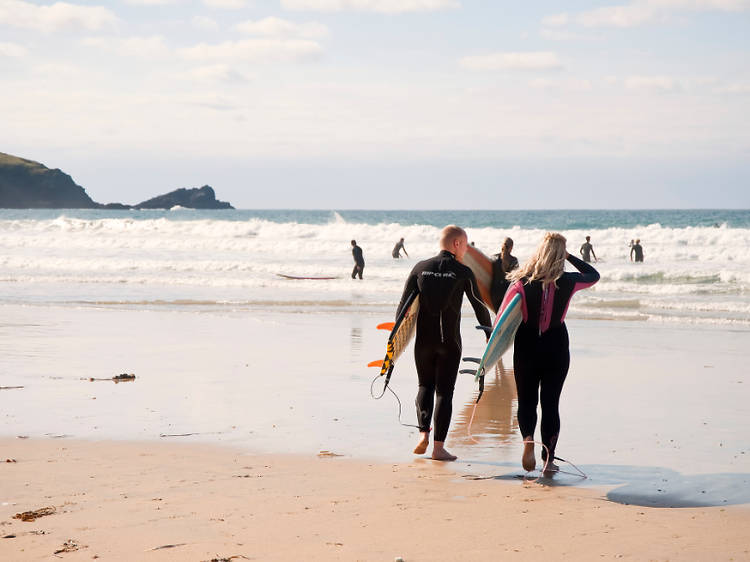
(494, 421)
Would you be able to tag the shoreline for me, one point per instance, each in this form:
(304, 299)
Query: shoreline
(129, 500)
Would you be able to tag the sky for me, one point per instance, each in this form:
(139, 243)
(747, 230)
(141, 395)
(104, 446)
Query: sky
(385, 104)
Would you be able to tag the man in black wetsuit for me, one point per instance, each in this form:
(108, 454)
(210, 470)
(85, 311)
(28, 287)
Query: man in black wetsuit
(441, 282)
(587, 250)
(359, 260)
(636, 249)
(396, 253)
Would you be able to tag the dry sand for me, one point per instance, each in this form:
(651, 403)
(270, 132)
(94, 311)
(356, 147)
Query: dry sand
(151, 501)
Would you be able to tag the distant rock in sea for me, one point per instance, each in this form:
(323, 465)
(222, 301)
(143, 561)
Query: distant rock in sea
(25, 184)
(195, 198)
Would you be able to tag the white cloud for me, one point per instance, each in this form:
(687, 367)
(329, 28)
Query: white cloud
(382, 6)
(559, 35)
(277, 27)
(739, 89)
(639, 12)
(568, 85)
(217, 73)
(652, 83)
(12, 50)
(151, 2)
(542, 60)
(58, 16)
(257, 50)
(556, 20)
(225, 4)
(203, 22)
(130, 46)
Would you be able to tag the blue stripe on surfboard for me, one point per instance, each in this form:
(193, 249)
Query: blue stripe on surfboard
(502, 335)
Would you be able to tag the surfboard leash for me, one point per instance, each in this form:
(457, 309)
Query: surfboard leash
(579, 473)
(398, 400)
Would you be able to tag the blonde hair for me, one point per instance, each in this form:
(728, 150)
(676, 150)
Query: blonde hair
(449, 234)
(547, 264)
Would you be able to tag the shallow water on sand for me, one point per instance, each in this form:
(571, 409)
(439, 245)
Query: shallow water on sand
(643, 406)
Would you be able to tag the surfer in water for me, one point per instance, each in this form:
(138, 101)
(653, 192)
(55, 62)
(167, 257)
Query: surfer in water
(504, 263)
(541, 353)
(636, 249)
(587, 250)
(359, 260)
(440, 282)
(396, 253)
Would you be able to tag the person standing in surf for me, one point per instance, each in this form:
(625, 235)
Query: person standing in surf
(541, 353)
(587, 250)
(440, 282)
(359, 260)
(636, 249)
(396, 253)
(504, 263)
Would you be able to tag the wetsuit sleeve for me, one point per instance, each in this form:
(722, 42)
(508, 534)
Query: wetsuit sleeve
(472, 291)
(587, 275)
(515, 289)
(409, 287)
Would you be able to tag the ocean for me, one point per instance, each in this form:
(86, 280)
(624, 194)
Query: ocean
(226, 351)
(696, 267)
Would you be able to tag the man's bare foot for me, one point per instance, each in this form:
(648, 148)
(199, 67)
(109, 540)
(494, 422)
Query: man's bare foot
(529, 458)
(439, 453)
(424, 441)
(550, 469)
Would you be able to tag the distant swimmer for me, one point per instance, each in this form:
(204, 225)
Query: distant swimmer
(587, 250)
(504, 263)
(396, 253)
(359, 260)
(637, 250)
(441, 283)
(541, 352)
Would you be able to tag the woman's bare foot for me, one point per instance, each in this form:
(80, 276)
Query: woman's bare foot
(529, 458)
(439, 453)
(424, 440)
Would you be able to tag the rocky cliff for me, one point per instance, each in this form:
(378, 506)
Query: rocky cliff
(25, 184)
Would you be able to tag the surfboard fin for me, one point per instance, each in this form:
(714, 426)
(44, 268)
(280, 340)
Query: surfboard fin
(378, 363)
(386, 326)
(481, 388)
(472, 359)
(468, 371)
(487, 329)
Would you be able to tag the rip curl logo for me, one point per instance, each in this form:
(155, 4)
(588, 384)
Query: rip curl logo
(448, 274)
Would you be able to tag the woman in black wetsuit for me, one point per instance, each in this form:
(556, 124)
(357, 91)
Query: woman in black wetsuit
(541, 353)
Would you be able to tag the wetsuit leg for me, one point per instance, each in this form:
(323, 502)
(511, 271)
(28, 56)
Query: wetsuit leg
(556, 354)
(437, 367)
(425, 359)
(527, 375)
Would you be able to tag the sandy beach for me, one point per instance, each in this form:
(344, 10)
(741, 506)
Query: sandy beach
(140, 501)
(225, 444)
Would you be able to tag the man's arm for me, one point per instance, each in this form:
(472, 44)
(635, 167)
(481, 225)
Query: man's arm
(472, 291)
(593, 253)
(409, 287)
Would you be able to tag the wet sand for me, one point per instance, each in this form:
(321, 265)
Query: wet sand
(654, 415)
(147, 501)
